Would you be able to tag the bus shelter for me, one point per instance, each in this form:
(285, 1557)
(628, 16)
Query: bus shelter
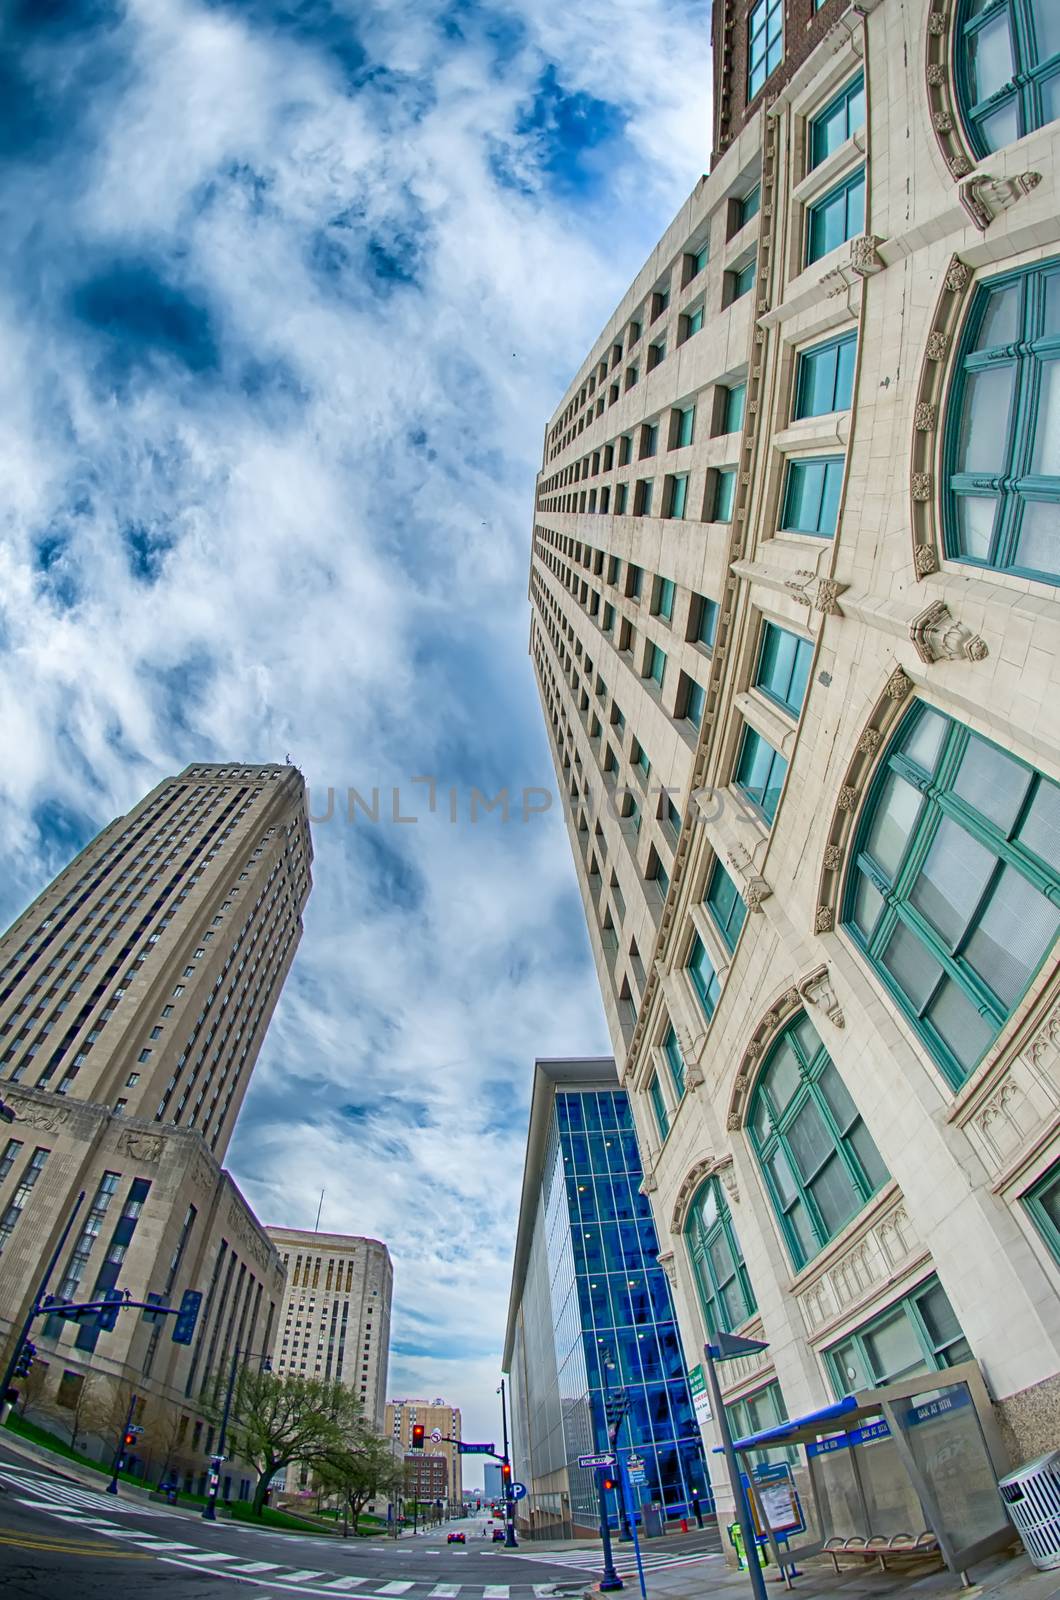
(888, 1475)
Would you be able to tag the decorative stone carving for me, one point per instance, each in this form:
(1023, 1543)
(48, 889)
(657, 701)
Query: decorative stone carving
(833, 857)
(648, 1183)
(848, 797)
(924, 417)
(938, 636)
(864, 255)
(959, 165)
(937, 345)
(816, 987)
(985, 198)
(755, 890)
(920, 486)
(937, 22)
(957, 276)
(898, 685)
(975, 205)
(251, 1247)
(47, 1118)
(870, 742)
(734, 1122)
(878, 1251)
(822, 922)
(942, 121)
(936, 75)
(669, 1265)
(820, 593)
(924, 560)
(727, 1175)
(145, 1147)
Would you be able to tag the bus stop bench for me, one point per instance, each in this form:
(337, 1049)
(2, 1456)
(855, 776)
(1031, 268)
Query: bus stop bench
(881, 1549)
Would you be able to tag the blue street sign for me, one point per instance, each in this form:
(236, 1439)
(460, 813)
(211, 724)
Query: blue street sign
(518, 1490)
(474, 1449)
(187, 1316)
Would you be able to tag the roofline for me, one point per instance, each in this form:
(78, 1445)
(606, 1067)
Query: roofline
(550, 1073)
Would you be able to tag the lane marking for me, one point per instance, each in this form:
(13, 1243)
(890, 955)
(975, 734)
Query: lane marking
(303, 1575)
(495, 1591)
(67, 1547)
(260, 1566)
(344, 1583)
(394, 1588)
(208, 1555)
(445, 1591)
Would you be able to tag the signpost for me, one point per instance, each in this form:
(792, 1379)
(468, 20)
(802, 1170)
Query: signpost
(518, 1491)
(596, 1461)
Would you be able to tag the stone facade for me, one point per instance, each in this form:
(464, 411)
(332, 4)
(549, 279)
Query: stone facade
(891, 621)
(399, 1420)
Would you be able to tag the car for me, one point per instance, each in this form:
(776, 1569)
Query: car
(457, 1538)
(498, 1535)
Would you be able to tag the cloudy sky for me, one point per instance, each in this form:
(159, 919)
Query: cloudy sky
(288, 290)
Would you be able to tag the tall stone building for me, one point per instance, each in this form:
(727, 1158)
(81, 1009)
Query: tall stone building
(335, 1319)
(134, 996)
(795, 631)
(402, 1415)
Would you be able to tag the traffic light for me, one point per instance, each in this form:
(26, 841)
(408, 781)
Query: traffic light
(608, 1483)
(417, 1435)
(506, 1473)
(108, 1319)
(26, 1358)
(128, 1439)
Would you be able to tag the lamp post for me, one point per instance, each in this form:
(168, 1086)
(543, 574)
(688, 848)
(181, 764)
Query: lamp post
(510, 1541)
(725, 1347)
(209, 1510)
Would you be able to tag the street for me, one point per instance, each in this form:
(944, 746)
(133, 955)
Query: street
(58, 1539)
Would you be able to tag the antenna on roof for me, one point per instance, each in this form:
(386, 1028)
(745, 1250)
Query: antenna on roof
(316, 1225)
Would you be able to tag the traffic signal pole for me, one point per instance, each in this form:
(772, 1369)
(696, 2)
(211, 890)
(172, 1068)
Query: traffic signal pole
(610, 1579)
(38, 1297)
(112, 1486)
(510, 1542)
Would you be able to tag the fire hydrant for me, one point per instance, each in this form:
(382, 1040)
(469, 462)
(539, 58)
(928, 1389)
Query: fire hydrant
(684, 1524)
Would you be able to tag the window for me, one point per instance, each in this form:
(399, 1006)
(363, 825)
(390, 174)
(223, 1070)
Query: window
(760, 773)
(730, 410)
(686, 422)
(724, 494)
(696, 260)
(649, 439)
(783, 667)
(658, 1105)
(1008, 69)
(754, 1414)
(695, 701)
(609, 618)
(811, 496)
(747, 207)
(824, 379)
(33, 1169)
(1043, 1204)
(656, 664)
(625, 449)
(678, 495)
(704, 621)
(725, 905)
(838, 216)
(7, 1160)
(817, 1157)
(725, 1294)
(642, 498)
(621, 495)
(1003, 432)
(838, 122)
(704, 979)
(664, 598)
(694, 322)
(919, 1334)
(765, 49)
(955, 893)
(674, 1061)
(642, 758)
(656, 353)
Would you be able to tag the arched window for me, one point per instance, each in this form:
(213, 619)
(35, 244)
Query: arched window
(1003, 427)
(1008, 68)
(954, 893)
(818, 1157)
(725, 1292)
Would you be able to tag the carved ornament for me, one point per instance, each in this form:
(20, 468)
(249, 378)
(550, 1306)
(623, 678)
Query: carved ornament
(817, 988)
(938, 636)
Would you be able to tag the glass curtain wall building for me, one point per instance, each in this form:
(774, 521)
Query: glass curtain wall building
(590, 1310)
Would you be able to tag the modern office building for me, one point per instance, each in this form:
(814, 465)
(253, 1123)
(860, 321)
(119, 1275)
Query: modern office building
(335, 1319)
(436, 1416)
(134, 996)
(427, 1477)
(590, 1310)
(491, 1481)
(795, 630)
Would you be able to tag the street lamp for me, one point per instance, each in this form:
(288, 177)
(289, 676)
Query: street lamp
(510, 1541)
(726, 1347)
(209, 1510)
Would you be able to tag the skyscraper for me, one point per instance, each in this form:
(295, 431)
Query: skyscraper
(793, 589)
(590, 1310)
(436, 1416)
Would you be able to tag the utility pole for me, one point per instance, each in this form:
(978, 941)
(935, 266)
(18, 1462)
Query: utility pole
(209, 1510)
(112, 1486)
(727, 1346)
(510, 1542)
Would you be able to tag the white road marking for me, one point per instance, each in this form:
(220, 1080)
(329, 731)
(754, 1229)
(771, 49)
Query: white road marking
(303, 1575)
(394, 1588)
(344, 1583)
(208, 1555)
(495, 1591)
(260, 1566)
(444, 1591)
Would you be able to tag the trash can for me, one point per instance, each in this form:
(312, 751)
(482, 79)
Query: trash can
(1032, 1500)
(653, 1522)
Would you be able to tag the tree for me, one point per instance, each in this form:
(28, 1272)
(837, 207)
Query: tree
(31, 1388)
(282, 1418)
(363, 1468)
(79, 1405)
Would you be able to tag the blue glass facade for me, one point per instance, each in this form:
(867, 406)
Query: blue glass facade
(595, 1312)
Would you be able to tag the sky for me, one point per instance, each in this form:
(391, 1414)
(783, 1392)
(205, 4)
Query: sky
(289, 290)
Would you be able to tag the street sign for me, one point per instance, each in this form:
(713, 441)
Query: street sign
(187, 1316)
(474, 1449)
(697, 1384)
(436, 1435)
(518, 1491)
(134, 1427)
(596, 1461)
(637, 1476)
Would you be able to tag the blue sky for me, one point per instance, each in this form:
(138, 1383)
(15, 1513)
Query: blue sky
(288, 290)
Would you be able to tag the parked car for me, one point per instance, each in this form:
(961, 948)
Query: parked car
(498, 1535)
(457, 1538)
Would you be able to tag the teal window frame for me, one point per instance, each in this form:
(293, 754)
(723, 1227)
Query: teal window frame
(810, 1142)
(706, 622)
(724, 494)
(1025, 93)
(664, 598)
(656, 664)
(743, 279)
(694, 322)
(700, 258)
(675, 1061)
(733, 410)
(726, 906)
(1024, 357)
(938, 1345)
(703, 978)
(643, 497)
(763, 1408)
(686, 427)
(812, 489)
(765, 43)
(879, 908)
(824, 377)
(1042, 1204)
(642, 760)
(726, 1296)
(783, 670)
(658, 1105)
(695, 702)
(845, 201)
(748, 206)
(760, 772)
(839, 120)
(679, 496)
(649, 439)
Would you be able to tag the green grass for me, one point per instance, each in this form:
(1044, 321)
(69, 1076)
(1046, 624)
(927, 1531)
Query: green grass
(242, 1512)
(49, 1441)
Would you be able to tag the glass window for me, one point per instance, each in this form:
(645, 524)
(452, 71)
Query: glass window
(760, 773)
(725, 905)
(725, 1294)
(686, 422)
(825, 377)
(1002, 505)
(664, 598)
(697, 260)
(658, 1105)
(747, 207)
(706, 621)
(694, 322)
(783, 667)
(724, 494)
(765, 43)
(838, 216)
(695, 700)
(811, 496)
(743, 279)
(679, 495)
(763, 1409)
(1043, 1203)
(621, 496)
(918, 1334)
(839, 121)
(732, 408)
(704, 978)
(657, 664)
(1008, 69)
(675, 1061)
(954, 896)
(818, 1158)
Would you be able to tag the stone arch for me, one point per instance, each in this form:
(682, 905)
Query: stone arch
(781, 1011)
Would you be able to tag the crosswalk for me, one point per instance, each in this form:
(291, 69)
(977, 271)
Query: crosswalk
(98, 1514)
(624, 1559)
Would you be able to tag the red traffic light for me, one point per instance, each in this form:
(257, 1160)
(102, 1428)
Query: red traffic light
(609, 1483)
(129, 1440)
(506, 1472)
(417, 1435)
